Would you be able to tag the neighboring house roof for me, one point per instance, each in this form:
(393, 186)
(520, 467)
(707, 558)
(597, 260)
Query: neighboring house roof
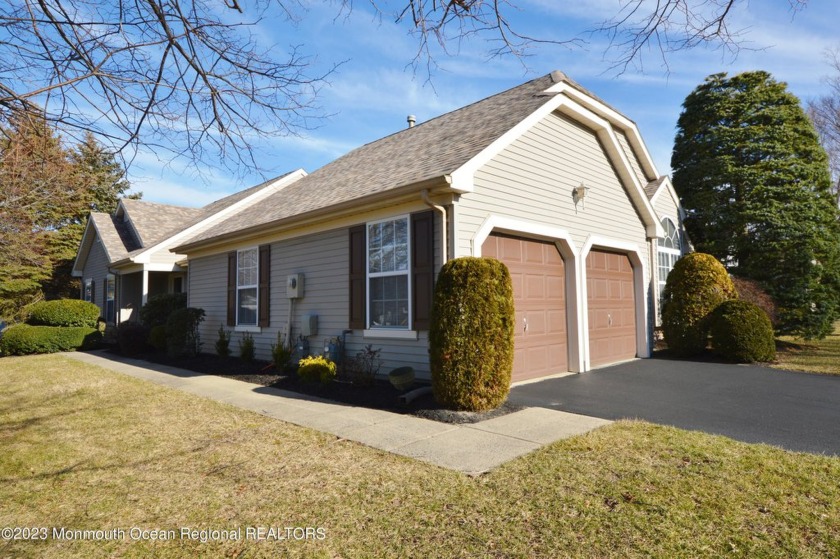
(138, 226)
(653, 187)
(427, 152)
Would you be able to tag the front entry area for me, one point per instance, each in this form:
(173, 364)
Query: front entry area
(539, 292)
(611, 303)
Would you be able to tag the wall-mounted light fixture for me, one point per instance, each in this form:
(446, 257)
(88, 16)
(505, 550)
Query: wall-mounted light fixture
(579, 193)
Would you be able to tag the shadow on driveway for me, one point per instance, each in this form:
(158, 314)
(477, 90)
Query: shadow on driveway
(796, 411)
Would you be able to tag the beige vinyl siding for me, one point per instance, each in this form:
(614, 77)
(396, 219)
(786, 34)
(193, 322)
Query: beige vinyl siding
(324, 261)
(96, 268)
(533, 178)
(631, 156)
(207, 289)
(665, 206)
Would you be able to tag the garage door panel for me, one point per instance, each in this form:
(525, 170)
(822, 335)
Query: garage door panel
(538, 277)
(611, 307)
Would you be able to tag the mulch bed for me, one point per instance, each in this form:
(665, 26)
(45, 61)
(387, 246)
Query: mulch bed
(379, 395)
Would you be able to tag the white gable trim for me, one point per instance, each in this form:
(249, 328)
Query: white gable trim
(86, 246)
(627, 125)
(145, 257)
(463, 178)
(667, 186)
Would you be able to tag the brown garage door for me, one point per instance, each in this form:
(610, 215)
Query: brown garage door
(539, 289)
(612, 307)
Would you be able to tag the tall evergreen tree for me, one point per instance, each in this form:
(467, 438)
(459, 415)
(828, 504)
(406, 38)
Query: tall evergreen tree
(46, 192)
(755, 184)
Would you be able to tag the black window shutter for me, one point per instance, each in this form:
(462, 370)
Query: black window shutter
(422, 267)
(231, 289)
(358, 277)
(265, 294)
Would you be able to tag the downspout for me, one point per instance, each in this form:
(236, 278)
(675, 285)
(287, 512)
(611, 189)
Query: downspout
(424, 194)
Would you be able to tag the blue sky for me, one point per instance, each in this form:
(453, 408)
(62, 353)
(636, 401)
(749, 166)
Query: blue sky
(375, 87)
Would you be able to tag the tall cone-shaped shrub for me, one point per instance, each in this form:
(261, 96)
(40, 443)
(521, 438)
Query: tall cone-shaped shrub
(471, 334)
(695, 287)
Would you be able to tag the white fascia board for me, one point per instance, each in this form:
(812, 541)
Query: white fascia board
(145, 257)
(605, 132)
(90, 229)
(627, 126)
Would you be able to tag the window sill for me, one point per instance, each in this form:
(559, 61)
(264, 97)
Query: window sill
(251, 329)
(384, 333)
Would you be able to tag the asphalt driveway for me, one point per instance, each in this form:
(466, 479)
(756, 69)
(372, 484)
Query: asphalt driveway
(796, 411)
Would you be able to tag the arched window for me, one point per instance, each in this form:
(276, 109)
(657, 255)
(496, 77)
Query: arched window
(669, 250)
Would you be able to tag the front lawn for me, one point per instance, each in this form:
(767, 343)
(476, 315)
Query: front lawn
(88, 449)
(814, 356)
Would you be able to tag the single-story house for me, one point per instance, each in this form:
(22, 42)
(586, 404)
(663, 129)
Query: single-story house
(545, 177)
(125, 258)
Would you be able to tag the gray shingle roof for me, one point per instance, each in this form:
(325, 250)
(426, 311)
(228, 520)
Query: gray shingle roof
(653, 186)
(154, 222)
(428, 150)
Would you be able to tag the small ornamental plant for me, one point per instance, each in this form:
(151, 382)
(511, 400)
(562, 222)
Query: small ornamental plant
(223, 342)
(316, 369)
(246, 348)
(281, 354)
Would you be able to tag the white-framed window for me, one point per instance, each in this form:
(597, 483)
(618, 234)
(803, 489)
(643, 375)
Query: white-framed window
(668, 250)
(388, 281)
(247, 285)
(88, 290)
(110, 298)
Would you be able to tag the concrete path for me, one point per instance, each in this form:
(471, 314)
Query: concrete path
(796, 411)
(473, 448)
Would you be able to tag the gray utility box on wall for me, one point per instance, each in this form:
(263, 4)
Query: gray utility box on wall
(309, 325)
(294, 286)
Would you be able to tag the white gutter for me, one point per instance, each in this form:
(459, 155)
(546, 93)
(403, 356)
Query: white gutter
(444, 245)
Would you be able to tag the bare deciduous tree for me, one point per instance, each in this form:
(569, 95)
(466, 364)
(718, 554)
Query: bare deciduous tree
(194, 77)
(825, 113)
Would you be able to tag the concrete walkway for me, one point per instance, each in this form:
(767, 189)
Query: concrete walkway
(472, 448)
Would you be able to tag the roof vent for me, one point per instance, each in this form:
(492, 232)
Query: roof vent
(412, 120)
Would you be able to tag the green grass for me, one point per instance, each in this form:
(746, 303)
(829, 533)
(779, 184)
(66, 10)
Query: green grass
(814, 356)
(84, 448)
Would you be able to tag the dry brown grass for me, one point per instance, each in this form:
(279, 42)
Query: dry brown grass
(814, 356)
(84, 448)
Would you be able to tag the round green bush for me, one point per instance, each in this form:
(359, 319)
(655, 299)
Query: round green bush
(132, 338)
(24, 339)
(182, 335)
(471, 334)
(64, 312)
(157, 337)
(316, 369)
(159, 308)
(695, 287)
(742, 332)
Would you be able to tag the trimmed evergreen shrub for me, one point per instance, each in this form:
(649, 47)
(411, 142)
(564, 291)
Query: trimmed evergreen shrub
(159, 308)
(132, 338)
(316, 369)
(742, 332)
(64, 312)
(471, 334)
(223, 342)
(695, 287)
(25, 339)
(246, 348)
(157, 337)
(182, 336)
(281, 354)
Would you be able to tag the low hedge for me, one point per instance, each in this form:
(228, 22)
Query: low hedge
(64, 312)
(25, 339)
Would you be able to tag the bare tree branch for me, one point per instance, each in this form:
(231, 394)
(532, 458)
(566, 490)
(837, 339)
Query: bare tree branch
(825, 114)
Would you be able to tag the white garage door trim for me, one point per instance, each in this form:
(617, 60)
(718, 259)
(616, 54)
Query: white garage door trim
(635, 254)
(563, 240)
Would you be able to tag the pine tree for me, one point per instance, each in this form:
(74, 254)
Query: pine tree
(755, 184)
(46, 193)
